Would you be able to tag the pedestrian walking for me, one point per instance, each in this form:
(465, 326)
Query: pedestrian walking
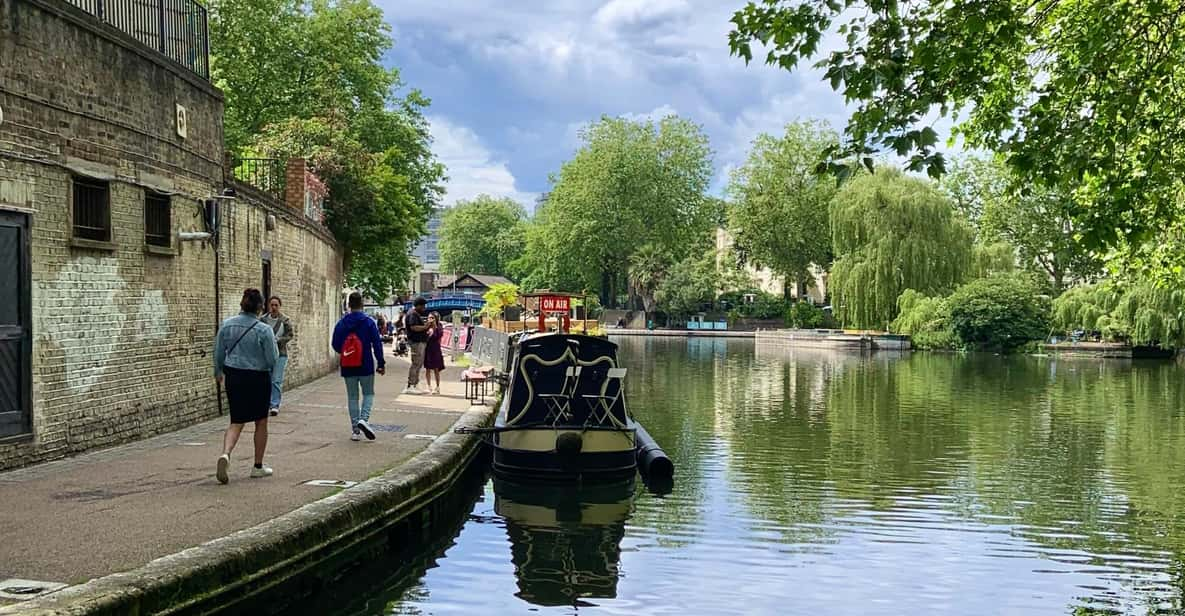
(433, 355)
(359, 346)
(417, 339)
(245, 353)
(284, 331)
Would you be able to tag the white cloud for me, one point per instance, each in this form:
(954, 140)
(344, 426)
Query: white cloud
(472, 168)
(571, 61)
(628, 13)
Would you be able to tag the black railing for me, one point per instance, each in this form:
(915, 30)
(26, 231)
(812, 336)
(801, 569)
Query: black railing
(266, 174)
(178, 29)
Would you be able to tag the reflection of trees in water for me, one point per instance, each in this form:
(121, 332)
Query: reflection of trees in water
(565, 543)
(1077, 454)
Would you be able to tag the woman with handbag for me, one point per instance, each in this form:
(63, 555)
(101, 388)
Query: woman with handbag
(244, 354)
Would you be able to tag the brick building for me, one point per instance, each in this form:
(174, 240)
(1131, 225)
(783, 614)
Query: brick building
(111, 281)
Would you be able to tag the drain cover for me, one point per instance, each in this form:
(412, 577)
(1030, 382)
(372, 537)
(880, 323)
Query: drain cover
(23, 590)
(331, 483)
(388, 427)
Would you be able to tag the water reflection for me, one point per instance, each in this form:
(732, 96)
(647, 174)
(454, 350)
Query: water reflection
(565, 541)
(820, 482)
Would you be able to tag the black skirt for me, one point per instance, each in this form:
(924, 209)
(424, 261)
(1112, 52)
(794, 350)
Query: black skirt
(249, 393)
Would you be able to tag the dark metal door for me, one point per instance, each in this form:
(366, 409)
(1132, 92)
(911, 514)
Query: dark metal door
(267, 282)
(16, 341)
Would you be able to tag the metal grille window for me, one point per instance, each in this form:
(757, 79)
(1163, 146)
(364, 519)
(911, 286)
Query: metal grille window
(92, 210)
(158, 225)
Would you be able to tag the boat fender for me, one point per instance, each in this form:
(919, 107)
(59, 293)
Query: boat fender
(569, 444)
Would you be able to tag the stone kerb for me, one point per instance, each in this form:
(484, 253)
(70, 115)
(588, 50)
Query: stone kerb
(225, 571)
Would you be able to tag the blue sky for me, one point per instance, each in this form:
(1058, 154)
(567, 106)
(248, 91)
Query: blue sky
(512, 81)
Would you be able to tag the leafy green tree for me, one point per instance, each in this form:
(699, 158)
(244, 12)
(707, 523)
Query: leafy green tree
(306, 79)
(779, 213)
(890, 233)
(1038, 222)
(631, 184)
(689, 286)
(482, 236)
(926, 320)
(279, 59)
(999, 313)
(378, 202)
(1090, 308)
(647, 269)
(1153, 314)
(1082, 97)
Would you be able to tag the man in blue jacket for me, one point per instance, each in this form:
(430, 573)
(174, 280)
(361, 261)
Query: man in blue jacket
(360, 378)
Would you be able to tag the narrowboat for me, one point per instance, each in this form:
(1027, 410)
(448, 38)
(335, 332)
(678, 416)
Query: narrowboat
(563, 414)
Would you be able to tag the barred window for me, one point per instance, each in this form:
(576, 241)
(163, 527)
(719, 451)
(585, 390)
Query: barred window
(158, 226)
(92, 210)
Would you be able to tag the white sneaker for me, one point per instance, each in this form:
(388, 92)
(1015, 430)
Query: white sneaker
(223, 468)
(256, 473)
(356, 436)
(275, 410)
(366, 430)
(412, 390)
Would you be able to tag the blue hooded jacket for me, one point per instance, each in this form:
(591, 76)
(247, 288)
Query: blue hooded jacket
(368, 331)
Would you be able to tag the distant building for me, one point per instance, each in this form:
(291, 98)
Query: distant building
(472, 283)
(427, 251)
(768, 281)
(425, 256)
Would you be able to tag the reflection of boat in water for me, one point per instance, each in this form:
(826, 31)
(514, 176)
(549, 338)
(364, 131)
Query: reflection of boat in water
(565, 541)
(563, 414)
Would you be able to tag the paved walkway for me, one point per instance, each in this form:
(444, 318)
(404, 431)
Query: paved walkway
(76, 519)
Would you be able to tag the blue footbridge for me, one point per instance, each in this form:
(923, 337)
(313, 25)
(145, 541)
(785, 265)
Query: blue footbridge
(447, 302)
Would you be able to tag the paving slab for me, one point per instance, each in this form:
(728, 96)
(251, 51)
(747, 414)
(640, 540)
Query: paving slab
(73, 520)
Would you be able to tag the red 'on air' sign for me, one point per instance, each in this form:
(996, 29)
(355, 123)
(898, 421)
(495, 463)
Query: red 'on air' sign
(551, 303)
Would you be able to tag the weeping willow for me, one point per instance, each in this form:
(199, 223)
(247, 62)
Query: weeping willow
(1089, 308)
(1153, 314)
(1143, 312)
(892, 233)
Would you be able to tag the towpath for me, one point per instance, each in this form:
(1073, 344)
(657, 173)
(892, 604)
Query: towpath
(72, 520)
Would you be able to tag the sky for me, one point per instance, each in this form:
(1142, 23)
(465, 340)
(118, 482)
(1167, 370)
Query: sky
(512, 82)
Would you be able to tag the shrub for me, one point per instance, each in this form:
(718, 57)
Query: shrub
(926, 320)
(1000, 312)
(763, 306)
(805, 315)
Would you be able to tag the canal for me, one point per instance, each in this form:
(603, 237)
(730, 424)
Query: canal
(820, 482)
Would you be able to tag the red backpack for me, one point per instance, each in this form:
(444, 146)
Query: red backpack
(351, 355)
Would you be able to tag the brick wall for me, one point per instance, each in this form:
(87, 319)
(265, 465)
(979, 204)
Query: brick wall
(122, 335)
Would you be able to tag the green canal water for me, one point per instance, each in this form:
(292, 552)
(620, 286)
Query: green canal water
(821, 482)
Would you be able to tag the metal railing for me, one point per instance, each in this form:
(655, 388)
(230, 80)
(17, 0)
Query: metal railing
(266, 174)
(178, 29)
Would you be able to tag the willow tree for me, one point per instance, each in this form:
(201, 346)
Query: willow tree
(890, 233)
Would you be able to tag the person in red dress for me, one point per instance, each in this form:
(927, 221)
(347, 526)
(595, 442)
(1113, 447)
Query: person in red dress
(433, 356)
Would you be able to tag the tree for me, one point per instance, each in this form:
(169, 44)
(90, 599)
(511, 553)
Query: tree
(280, 59)
(926, 320)
(999, 313)
(1081, 97)
(306, 79)
(631, 184)
(1037, 221)
(1090, 308)
(890, 233)
(690, 285)
(779, 212)
(482, 236)
(648, 267)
